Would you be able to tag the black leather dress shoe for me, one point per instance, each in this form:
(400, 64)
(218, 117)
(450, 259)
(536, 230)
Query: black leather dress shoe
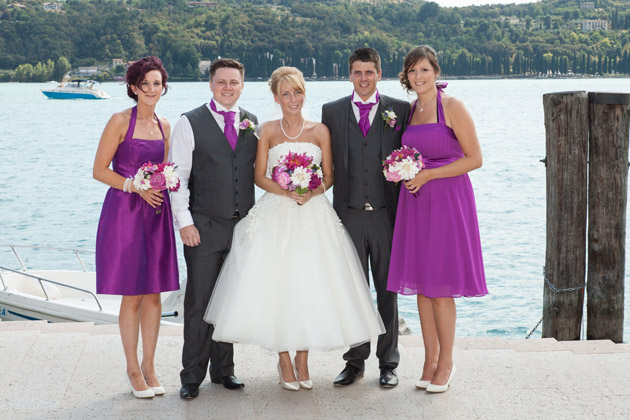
(388, 379)
(348, 376)
(189, 391)
(230, 382)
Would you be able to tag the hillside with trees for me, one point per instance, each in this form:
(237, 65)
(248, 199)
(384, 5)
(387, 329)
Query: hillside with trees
(546, 38)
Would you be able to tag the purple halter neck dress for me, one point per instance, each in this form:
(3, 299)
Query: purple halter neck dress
(436, 250)
(135, 247)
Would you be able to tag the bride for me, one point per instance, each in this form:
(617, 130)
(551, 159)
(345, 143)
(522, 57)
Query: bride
(292, 280)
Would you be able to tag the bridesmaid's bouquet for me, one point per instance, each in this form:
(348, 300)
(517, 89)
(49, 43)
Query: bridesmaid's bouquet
(297, 172)
(402, 164)
(158, 176)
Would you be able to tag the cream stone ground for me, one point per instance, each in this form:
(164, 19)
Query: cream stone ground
(75, 371)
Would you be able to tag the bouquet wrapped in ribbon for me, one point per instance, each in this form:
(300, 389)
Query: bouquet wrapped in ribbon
(402, 164)
(297, 172)
(158, 176)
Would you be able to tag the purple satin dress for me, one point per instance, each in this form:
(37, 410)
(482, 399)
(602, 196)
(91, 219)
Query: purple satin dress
(135, 247)
(436, 250)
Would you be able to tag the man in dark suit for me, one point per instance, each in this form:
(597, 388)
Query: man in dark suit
(215, 162)
(364, 201)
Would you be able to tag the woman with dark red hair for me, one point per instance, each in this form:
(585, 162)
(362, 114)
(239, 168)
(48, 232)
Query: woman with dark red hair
(135, 244)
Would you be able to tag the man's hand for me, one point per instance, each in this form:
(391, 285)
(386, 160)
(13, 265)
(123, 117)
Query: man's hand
(190, 235)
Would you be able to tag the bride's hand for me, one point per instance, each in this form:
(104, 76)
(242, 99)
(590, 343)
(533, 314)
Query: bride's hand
(301, 199)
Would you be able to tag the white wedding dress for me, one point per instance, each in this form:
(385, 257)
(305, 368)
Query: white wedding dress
(292, 280)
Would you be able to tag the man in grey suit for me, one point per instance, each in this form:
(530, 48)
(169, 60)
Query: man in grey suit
(215, 162)
(364, 201)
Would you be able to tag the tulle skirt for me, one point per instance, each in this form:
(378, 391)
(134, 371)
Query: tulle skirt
(293, 281)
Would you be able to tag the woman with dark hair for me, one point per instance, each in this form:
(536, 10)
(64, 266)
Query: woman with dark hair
(135, 245)
(436, 250)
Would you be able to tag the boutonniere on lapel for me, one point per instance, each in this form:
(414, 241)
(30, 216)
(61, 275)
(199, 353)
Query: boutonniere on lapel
(247, 125)
(390, 118)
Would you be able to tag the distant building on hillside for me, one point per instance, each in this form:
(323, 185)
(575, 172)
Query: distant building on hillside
(587, 5)
(202, 4)
(594, 25)
(117, 62)
(87, 71)
(18, 5)
(204, 66)
(52, 7)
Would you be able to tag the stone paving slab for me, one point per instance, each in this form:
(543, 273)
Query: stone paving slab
(77, 372)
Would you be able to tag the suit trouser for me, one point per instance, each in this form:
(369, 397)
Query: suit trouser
(203, 264)
(372, 233)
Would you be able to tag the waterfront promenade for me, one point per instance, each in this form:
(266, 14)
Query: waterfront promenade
(75, 371)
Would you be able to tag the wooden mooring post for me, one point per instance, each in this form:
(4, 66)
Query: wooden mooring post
(566, 126)
(609, 124)
(578, 125)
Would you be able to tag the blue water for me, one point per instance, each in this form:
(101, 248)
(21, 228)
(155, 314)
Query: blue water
(48, 196)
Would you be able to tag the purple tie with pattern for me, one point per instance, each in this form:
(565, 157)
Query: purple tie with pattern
(229, 130)
(364, 114)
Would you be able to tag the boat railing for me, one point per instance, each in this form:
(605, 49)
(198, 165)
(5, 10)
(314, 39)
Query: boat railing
(48, 248)
(41, 279)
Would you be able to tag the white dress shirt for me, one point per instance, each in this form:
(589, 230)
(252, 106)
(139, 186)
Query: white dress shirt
(371, 100)
(181, 154)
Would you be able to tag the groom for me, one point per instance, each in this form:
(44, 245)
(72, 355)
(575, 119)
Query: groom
(364, 201)
(215, 163)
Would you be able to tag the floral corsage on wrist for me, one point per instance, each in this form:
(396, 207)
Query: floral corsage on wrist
(390, 118)
(247, 125)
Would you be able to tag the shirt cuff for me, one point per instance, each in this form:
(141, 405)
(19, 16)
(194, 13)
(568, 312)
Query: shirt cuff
(183, 219)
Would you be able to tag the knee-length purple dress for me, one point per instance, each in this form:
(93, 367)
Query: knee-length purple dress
(436, 250)
(135, 247)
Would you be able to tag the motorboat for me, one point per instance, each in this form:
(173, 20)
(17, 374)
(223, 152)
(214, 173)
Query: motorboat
(76, 89)
(65, 295)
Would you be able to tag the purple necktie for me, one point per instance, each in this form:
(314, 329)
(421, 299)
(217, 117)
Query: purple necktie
(364, 114)
(229, 130)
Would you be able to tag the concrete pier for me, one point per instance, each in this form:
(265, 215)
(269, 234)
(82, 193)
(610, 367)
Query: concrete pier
(76, 371)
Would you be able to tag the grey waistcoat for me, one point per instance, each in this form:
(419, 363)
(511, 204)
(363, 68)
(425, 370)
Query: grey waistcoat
(365, 176)
(221, 179)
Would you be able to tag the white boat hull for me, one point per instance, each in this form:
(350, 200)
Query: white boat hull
(25, 299)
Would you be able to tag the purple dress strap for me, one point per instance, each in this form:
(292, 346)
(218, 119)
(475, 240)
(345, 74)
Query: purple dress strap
(440, 110)
(132, 123)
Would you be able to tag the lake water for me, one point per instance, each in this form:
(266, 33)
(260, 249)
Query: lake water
(48, 196)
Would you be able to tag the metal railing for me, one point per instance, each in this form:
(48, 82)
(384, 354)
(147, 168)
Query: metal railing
(40, 280)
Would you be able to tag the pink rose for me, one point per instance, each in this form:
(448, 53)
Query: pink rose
(158, 181)
(283, 179)
(393, 176)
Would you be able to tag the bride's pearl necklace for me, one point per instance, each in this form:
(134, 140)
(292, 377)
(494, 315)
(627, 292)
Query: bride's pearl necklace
(285, 133)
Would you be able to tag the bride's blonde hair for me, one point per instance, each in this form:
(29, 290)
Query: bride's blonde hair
(289, 75)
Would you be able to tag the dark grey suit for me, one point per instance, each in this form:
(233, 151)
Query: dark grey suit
(221, 192)
(359, 180)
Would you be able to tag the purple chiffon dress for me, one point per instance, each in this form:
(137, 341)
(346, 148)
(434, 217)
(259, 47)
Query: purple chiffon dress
(135, 247)
(436, 250)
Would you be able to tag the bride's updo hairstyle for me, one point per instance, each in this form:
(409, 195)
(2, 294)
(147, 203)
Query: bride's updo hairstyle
(412, 58)
(289, 75)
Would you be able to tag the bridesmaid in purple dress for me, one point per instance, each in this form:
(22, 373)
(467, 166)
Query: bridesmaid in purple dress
(436, 251)
(135, 246)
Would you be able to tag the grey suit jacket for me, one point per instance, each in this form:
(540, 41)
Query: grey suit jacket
(336, 116)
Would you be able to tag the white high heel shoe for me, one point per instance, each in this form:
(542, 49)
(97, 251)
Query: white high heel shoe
(291, 386)
(147, 393)
(157, 390)
(441, 388)
(308, 384)
(421, 384)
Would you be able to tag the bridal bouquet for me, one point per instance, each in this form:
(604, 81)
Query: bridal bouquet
(158, 176)
(297, 172)
(402, 164)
